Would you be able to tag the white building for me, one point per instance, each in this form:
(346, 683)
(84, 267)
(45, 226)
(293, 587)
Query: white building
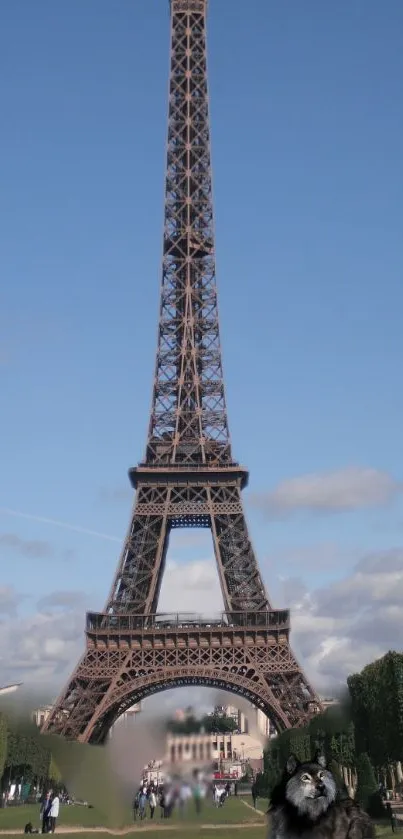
(212, 748)
(262, 722)
(246, 722)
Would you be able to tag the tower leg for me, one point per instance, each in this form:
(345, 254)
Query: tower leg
(234, 553)
(124, 664)
(139, 575)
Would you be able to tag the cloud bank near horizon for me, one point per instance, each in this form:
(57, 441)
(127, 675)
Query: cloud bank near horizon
(337, 627)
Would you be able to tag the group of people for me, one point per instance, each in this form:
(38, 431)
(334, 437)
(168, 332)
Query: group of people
(166, 797)
(50, 806)
(145, 796)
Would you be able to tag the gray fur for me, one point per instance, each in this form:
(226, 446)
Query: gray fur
(305, 805)
(311, 790)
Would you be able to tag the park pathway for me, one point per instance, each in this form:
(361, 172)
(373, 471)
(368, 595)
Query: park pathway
(147, 828)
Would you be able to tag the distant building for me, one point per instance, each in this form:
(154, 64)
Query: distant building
(212, 748)
(263, 723)
(233, 713)
(153, 773)
(227, 711)
(127, 719)
(130, 714)
(40, 715)
(246, 722)
(182, 714)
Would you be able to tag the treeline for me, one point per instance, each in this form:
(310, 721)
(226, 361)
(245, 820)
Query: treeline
(209, 724)
(24, 759)
(362, 739)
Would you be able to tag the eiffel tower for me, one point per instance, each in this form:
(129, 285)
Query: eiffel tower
(188, 477)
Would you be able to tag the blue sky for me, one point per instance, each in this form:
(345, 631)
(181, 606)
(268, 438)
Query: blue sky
(307, 123)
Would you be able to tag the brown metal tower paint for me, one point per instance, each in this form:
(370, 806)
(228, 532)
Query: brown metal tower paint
(188, 477)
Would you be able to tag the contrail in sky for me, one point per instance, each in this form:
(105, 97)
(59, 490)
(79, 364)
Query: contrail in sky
(74, 527)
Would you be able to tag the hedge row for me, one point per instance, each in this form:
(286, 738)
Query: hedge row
(23, 755)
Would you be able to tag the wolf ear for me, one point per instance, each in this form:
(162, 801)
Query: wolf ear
(292, 764)
(320, 759)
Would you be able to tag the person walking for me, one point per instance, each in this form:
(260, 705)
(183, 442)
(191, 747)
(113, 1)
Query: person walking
(142, 805)
(254, 794)
(45, 811)
(392, 816)
(54, 813)
(152, 800)
(197, 795)
(136, 801)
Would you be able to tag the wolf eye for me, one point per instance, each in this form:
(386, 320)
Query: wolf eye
(320, 776)
(306, 778)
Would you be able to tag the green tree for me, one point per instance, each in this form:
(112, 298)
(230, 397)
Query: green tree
(300, 743)
(218, 724)
(211, 724)
(367, 789)
(333, 733)
(261, 785)
(377, 709)
(28, 756)
(3, 743)
(294, 740)
(190, 725)
(271, 766)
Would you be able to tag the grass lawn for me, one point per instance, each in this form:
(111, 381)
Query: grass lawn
(17, 817)
(235, 811)
(234, 820)
(262, 804)
(185, 832)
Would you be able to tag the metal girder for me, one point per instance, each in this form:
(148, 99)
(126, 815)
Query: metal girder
(126, 660)
(188, 477)
(160, 508)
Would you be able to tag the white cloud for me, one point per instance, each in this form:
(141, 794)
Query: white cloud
(8, 601)
(336, 629)
(352, 488)
(40, 648)
(339, 628)
(191, 587)
(44, 647)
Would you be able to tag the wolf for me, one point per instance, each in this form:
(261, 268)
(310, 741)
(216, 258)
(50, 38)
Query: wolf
(306, 804)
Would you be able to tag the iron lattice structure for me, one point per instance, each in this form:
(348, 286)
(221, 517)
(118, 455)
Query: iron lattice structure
(188, 477)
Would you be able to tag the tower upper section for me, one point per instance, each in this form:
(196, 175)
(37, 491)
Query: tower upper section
(188, 424)
(188, 5)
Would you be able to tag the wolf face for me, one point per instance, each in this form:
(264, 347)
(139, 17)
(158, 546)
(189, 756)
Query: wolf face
(309, 787)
